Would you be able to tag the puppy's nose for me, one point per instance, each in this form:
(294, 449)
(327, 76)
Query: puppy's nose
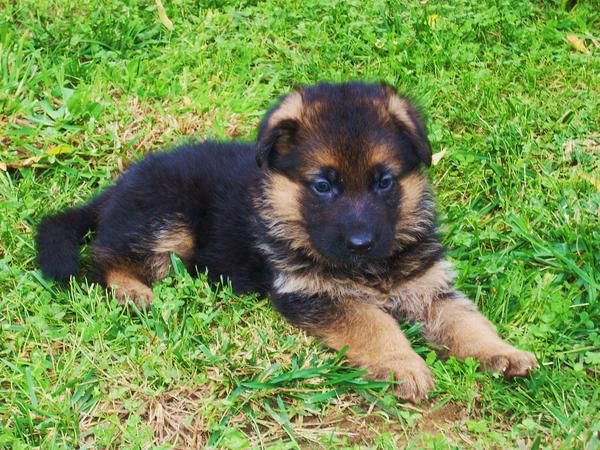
(360, 242)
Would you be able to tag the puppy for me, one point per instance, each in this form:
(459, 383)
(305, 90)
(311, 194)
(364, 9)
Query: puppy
(328, 213)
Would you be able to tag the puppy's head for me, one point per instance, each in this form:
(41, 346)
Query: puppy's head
(343, 162)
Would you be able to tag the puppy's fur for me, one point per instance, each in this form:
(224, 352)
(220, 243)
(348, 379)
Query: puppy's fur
(328, 213)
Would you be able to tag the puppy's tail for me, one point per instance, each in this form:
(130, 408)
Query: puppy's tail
(59, 237)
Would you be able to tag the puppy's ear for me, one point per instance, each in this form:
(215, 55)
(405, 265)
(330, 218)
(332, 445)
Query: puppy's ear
(278, 129)
(411, 123)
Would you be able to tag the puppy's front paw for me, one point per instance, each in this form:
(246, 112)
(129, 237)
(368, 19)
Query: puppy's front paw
(412, 375)
(510, 361)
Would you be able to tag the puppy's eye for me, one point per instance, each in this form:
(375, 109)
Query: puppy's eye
(385, 182)
(322, 186)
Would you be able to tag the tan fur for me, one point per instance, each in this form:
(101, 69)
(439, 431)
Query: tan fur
(176, 238)
(128, 287)
(314, 284)
(399, 108)
(464, 332)
(290, 109)
(376, 343)
(280, 210)
(322, 158)
(173, 238)
(284, 197)
(382, 155)
(416, 211)
(412, 298)
(415, 297)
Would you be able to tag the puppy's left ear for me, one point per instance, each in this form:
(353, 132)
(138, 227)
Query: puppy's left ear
(408, 118)
(277, 132)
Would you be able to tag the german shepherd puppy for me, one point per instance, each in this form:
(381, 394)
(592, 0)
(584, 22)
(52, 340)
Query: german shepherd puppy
(328, 213)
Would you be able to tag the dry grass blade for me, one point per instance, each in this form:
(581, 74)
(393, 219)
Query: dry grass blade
(162, 15)
(576, 43)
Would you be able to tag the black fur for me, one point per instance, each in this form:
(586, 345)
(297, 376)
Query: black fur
(311, 312)
(59, 237)
(206, 186)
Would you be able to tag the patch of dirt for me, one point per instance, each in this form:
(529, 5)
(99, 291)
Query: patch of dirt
(446, 420)
(448, 414)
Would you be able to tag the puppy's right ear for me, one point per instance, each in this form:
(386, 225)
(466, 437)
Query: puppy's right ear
(277, 131)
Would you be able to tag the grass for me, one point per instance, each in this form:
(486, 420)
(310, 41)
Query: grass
(86, 87)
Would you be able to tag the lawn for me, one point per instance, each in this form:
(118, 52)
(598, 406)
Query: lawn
(512, 92)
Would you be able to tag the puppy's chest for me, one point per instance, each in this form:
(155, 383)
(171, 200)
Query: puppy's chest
(399, 297)
(390, 295)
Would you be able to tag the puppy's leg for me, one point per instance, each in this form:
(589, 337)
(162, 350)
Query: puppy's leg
(454, 322)
(131, 260)
(129, 288)
(376, 343)
(374, 339)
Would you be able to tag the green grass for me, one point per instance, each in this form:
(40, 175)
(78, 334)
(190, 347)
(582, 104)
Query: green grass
(87, 86)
